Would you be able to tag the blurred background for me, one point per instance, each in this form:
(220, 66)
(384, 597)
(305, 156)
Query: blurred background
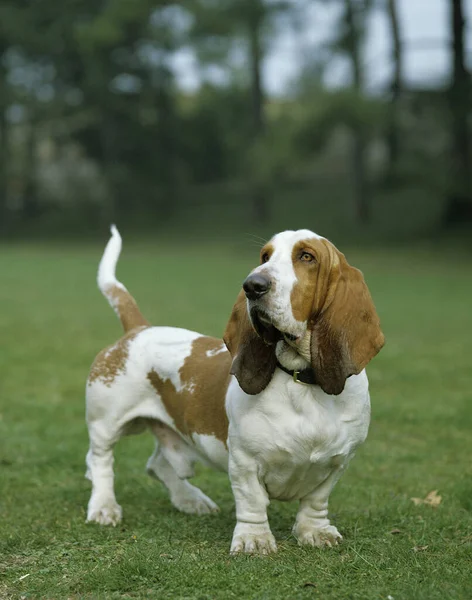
(236, 115)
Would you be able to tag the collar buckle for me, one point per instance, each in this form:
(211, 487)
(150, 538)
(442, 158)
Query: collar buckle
(296, 380)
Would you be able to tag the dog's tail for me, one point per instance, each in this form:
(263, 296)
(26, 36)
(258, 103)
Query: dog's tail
(115, 292)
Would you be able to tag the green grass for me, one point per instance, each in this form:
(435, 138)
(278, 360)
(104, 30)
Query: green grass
(52, 323)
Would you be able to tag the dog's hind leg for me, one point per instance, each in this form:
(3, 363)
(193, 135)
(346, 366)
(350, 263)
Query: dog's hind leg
(174, 448)
(103, 507)
(172, 465)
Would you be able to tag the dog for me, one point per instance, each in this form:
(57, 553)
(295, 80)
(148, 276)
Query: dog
(281, 403)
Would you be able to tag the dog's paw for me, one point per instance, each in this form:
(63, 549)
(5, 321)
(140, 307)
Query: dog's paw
(309, 534)
(253, 538)
(108, 513)
(194, 502)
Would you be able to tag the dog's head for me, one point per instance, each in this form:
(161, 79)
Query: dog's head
(305, 304)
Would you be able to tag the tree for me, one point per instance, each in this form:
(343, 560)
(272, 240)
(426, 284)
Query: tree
(459, 201)
(86, 52)
(393, 132)
(124, 79)
(351, 39)
(253, 22)
(3, 140)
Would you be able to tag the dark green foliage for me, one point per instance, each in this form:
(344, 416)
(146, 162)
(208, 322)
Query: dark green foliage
(96, 80)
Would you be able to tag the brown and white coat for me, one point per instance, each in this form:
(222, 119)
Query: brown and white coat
(228, 404)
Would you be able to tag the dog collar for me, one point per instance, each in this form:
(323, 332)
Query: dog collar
(305, 376)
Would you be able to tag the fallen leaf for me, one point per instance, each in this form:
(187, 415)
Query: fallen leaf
(419, 548)
(432, 499)
(395, 531)
(309, 584)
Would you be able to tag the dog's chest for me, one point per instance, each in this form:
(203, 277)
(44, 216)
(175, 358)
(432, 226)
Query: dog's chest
(302, 452)
(298, 440)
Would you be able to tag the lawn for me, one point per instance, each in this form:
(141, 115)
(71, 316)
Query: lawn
(53, 321)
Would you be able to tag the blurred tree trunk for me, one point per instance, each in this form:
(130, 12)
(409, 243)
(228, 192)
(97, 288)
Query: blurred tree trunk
(353, 44)
(3, 145)
(167, 136)
(459, 201)
(393, 132)
(30, 209)
(256, 77)
(3, 168)
(259, 193)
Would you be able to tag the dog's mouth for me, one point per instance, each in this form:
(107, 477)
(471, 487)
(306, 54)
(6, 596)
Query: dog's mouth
(266, 330)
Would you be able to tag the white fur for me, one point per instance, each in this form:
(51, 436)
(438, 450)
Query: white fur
(107, 267)
(290, 442)
(106, 278)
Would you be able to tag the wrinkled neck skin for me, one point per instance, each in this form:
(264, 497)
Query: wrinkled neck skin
(295, 356)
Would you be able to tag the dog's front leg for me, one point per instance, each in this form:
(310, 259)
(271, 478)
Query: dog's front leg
(312, 526)
(252, 533)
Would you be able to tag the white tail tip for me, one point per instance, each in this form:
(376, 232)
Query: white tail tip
(107, 266)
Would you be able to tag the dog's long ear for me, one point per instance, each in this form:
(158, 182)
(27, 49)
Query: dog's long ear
(253, 360)
(346, 335)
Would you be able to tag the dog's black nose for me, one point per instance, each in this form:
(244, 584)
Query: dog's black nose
(256, 286)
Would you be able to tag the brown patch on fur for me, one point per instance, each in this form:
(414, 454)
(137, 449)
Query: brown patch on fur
(333, 297)
(112, 360)
(126, 307)
(200, 406)
(309, 294)
(253, 360)
(237, 325)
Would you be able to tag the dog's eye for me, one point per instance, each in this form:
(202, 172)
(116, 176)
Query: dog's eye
(265, 257)
(307, 257)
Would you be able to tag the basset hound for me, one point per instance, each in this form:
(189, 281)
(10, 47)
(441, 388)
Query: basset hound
(281, 404)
